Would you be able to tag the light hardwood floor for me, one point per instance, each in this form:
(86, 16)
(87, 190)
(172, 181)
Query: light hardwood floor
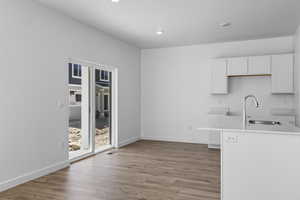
(145, 170)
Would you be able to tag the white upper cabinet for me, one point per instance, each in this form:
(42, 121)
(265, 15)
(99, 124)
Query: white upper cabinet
(237, 66)
(259, 65)
(282, 74)
(280, 67)
(219, 79)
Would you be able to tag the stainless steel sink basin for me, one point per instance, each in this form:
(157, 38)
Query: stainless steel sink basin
(272, 123)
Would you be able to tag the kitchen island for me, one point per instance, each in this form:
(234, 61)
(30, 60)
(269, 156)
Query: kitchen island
(261, 162)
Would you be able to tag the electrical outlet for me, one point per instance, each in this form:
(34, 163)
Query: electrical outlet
(231, 139)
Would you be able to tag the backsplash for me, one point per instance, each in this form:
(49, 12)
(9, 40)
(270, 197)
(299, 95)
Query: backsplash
(260, 86)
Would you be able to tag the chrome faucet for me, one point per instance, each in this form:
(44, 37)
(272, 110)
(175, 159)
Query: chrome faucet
(245, 108)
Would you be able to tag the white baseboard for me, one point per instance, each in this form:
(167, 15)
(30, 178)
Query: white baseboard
(32, 175)
(171, 140)
(129, 141)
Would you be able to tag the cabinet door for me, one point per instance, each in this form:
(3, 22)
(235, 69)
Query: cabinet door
(259, 65)
(237, 66)
(219, 79)
(283, 73)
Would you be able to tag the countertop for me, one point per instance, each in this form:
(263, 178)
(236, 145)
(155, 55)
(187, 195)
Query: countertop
(268, 129)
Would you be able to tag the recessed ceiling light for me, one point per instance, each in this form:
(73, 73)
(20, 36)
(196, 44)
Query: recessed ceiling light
(159, 32)
(225, 24)
(115, 1)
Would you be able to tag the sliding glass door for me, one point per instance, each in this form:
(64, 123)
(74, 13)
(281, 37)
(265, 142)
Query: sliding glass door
(90, 109)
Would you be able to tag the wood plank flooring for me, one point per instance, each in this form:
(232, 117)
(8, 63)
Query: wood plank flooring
(145, 170)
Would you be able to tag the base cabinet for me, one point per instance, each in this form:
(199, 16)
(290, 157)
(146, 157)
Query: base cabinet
(260, 166)
(214, 140)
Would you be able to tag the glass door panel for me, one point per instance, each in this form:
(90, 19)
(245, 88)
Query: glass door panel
(103, 91)
(79, 115)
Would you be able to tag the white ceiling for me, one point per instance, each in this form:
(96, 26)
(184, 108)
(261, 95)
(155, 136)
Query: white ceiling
(185, 22)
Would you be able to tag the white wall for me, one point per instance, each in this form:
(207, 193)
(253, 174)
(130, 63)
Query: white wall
(34, 44)
(297, 74)
(176, 87)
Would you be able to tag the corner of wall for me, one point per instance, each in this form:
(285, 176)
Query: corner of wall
(297, 75)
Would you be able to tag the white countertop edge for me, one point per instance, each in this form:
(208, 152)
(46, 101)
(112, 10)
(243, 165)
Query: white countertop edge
(287, 132)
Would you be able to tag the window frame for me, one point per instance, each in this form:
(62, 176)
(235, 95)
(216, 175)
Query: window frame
(76, 92)
(75, 76)
(108, 75)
